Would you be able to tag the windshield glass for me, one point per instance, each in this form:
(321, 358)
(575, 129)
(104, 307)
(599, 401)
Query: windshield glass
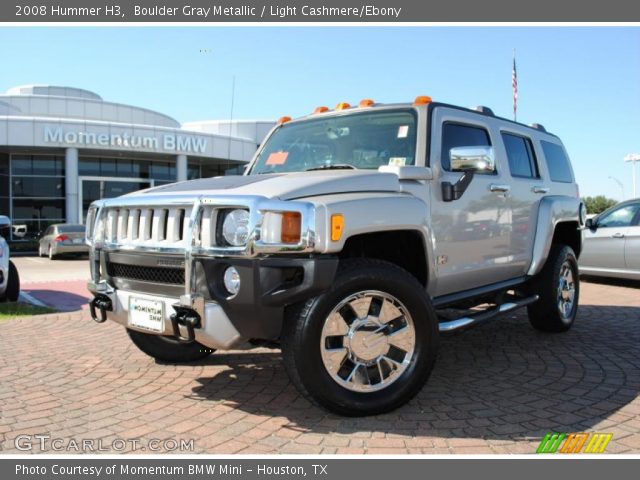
(360, 140)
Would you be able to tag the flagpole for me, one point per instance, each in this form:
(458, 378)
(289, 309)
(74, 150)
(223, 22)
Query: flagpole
(514, 87)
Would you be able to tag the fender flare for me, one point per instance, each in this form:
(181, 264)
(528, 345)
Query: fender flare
(553, 210)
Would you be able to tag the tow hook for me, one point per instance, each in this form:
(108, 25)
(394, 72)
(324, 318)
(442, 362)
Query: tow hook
(187, 317)
(103, 304)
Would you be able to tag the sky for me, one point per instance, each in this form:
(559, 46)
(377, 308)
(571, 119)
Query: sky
(581, 83)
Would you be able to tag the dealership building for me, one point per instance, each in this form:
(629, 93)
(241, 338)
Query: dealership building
(62, 148)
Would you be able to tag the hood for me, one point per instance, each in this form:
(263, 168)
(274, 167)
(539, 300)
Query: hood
(286, 186)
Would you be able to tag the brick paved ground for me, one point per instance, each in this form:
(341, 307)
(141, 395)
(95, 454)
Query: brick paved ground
(496, 389)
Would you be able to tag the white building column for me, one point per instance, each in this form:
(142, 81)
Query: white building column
(71, 185)
(181, 168)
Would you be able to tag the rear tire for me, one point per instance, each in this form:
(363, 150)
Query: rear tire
(391, 338)
(558, 286)
(167, 349)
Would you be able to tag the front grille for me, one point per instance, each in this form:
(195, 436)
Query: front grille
(169, 276)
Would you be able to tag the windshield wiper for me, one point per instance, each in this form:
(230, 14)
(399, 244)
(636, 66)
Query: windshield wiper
(334, 166)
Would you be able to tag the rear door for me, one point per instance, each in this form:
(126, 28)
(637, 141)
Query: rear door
(471, 235)
(527, 188)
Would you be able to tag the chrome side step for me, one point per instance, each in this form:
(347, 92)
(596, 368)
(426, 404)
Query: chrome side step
(465, 322)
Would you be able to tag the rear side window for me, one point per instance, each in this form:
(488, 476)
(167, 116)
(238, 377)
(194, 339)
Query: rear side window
(458, 135)
(522, 160)
(557, 162)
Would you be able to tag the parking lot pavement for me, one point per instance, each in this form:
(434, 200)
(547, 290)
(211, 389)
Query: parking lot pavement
(496, 389)
(59, 283)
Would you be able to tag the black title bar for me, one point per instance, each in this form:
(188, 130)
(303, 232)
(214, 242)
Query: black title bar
(354, 11)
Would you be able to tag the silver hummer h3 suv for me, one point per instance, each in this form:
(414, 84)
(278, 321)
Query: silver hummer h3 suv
(356, 236)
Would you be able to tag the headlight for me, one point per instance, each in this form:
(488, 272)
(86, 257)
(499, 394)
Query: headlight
(235, 227)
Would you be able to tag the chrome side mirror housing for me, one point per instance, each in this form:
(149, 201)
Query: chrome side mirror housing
(477, 159)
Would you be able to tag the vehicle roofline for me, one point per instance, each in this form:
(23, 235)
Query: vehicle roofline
(406, 105)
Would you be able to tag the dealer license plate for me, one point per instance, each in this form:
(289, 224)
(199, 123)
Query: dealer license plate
(78, 241)
(147, 314)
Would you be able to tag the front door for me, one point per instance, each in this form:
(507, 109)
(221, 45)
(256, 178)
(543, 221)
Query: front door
(472, 234)
(92, 189)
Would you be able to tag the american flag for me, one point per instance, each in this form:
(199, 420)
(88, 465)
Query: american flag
(514, 85)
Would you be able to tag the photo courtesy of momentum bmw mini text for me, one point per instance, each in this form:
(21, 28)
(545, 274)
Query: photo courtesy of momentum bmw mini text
(319, 239)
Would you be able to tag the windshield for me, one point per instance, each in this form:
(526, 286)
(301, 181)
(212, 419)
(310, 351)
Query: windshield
(360, 140)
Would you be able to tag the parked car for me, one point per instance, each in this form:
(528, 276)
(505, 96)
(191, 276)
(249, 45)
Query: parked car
(349, 242)
(611, 242)
(19, 231)
(61, 239)
(9, 278)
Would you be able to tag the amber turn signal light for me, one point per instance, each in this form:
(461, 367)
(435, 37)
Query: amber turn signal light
(337, 227)
(291, 225)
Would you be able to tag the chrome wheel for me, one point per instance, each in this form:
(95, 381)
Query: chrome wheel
(368, 341)
(566, 290)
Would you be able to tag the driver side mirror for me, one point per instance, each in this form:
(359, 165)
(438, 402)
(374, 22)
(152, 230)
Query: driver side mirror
(477, 159)
(591, 224)
(469, 160)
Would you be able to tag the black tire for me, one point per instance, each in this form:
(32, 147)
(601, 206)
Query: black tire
(545, 314)
(12, 291)
(302, 333)
(167, 349)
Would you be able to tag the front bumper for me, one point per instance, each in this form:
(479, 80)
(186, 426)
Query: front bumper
(267, 286)
(216, 329)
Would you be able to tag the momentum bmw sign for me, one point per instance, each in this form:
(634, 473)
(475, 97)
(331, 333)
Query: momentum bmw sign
(169, 142)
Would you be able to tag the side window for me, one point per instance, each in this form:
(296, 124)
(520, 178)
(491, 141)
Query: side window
(458, 135)
(522, 160)
(557, 162)
(620, 217)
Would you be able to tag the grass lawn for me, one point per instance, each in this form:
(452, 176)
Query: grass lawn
(9, 311)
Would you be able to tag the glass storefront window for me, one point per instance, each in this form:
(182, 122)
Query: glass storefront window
(34, 230)
(4, 165)
(38, 187)
(34, 208)
(51, 165)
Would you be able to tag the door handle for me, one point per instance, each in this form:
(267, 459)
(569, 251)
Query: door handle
(539, 189)
(617, 235)
(494, 187)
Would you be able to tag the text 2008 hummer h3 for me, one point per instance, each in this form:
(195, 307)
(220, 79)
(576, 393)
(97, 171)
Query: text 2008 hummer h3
(356, 237)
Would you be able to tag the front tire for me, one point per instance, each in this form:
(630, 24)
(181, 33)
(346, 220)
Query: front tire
(167, 349)
(365, 346)
(558, 286)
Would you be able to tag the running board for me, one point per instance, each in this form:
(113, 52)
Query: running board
(465, 322)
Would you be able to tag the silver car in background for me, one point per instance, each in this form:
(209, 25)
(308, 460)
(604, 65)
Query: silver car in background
(611, 242)
(62, 238)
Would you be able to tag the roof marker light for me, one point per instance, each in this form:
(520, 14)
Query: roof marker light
(366, 102)
(282, 120)
(422, 100)
(342, 106)
(321, 110)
